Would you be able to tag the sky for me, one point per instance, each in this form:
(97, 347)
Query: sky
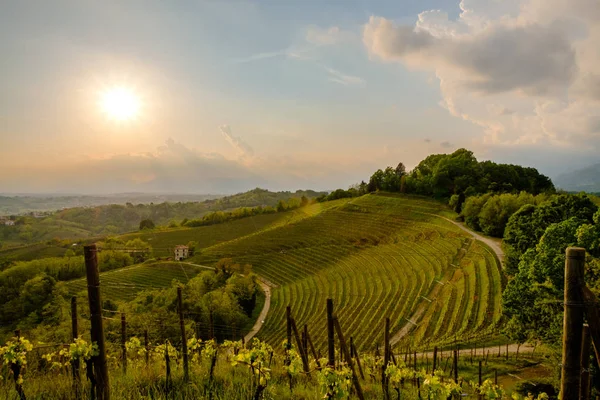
(290, 95)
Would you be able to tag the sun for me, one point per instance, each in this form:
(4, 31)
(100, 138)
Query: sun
(120, 103)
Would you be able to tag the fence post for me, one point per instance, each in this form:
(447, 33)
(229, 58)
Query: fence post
(455, 366)
(434, 366)
(386, 358)
(480, 379)
(97, 330)
(146, 346)
(584, 390)
(75, 335)
(340, 334)
(312, 350)
(330, 335)
(301, 349)
(124, 342)
(357, 358)
(186, 375)
(572, 324)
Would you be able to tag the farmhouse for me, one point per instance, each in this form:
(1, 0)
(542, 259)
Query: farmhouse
(181, 252)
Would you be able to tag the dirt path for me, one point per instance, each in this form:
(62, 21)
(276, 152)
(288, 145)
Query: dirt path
(263, 314)
(493, 244)
(266, 287)
(422, 307)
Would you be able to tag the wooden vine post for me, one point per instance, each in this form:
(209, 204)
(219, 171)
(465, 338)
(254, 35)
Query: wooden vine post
(186, 374)
(330, 335)
(97, 329)
(584, 390)
(301, 349)
(346, 352)
(572, 324)
(386, 359)
(75, 335)
(146, 347)
(124, 342)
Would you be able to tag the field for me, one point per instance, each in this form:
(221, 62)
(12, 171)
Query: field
(375, 256)
(123, 284)
(163, 242)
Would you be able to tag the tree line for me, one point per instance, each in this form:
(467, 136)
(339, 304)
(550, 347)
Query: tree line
(451, 177)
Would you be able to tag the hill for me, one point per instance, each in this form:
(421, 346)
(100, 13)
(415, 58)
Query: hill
(19, 204)
(377, 256)
(125, 283)
(582, 180)
(86, 222)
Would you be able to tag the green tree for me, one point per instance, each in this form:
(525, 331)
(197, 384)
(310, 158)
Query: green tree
(146, 224)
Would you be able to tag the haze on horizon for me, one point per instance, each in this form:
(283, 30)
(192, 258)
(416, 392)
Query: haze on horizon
(221, 97)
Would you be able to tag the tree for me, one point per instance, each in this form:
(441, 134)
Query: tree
(400, 170)
(36, 293)
(526, 226)
(147, 224)
(192, 247)
(141, 250)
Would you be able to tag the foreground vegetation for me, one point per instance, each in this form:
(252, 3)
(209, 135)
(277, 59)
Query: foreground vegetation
(234, 371)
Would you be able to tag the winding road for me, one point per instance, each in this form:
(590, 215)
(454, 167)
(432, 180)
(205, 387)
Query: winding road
(266, 287)
(263, 313)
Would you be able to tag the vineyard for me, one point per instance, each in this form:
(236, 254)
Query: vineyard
(123, 284)
(376, 257)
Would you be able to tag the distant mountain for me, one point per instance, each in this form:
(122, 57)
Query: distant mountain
(585, 179)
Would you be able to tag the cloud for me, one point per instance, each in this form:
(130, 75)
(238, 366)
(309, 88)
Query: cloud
(539, 57)
(326, 36)
(343, 79)
(242, 148)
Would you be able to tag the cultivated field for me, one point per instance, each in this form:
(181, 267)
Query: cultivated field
(376, 256)
(124, 284)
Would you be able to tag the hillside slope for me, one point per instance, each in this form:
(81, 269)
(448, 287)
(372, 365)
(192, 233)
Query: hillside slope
(583, 180)
(376, 256)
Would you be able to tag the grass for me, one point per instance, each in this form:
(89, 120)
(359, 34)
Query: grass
(124, 284)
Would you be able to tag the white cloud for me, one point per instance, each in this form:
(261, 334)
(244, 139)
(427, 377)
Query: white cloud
(326, 36)
(343, 79)
(242, 148)
(524, 71)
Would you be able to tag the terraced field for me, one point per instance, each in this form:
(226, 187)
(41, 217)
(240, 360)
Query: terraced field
(377, 256)
(163, 242)
(124, 284)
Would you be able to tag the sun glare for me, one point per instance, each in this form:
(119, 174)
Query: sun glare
(120, 103)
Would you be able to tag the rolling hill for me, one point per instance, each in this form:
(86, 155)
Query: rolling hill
(376, 256)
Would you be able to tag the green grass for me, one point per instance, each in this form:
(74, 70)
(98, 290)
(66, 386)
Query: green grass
(124, 284)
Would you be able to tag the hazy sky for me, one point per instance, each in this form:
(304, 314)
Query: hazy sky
(290, 94)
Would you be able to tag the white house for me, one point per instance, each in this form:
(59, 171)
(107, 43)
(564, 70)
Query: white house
(181, 252)
(9, 222)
